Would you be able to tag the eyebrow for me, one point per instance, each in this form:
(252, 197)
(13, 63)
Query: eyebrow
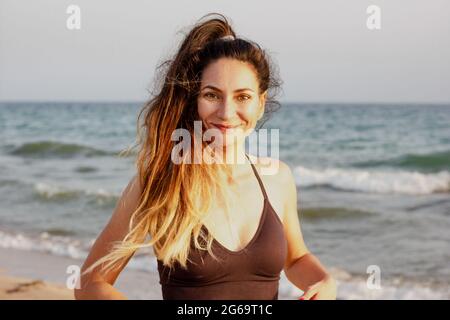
(217, 89)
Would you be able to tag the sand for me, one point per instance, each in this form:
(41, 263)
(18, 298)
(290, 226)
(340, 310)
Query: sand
(14, 288)
(26, 275)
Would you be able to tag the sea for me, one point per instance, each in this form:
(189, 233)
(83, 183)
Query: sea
(373, 183)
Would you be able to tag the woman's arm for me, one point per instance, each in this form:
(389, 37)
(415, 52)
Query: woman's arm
(99, 290)
(302, 268)
(95, 285)
(308, 274)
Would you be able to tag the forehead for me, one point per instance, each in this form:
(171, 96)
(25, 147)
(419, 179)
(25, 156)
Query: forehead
(230, 74)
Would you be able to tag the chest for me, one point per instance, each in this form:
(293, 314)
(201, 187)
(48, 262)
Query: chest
(235, 229)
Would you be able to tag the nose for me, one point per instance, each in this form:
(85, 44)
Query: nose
(227, 109)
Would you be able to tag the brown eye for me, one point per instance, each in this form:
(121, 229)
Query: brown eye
(210, 95)
(244, 97)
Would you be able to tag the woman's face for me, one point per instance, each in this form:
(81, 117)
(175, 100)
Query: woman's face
(229, 100)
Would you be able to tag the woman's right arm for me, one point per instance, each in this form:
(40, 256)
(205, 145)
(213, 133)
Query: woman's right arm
(94, 285)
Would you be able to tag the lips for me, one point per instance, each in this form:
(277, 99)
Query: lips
(224, 127)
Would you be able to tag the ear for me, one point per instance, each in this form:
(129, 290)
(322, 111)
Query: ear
(262, 99)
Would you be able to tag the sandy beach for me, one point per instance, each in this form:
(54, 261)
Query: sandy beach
(14, 288)
(26, 275)
(34, 275)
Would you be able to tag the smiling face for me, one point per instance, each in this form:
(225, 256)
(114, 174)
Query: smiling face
(229, 100)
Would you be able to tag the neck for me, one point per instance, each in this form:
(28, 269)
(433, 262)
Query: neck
(235, 158)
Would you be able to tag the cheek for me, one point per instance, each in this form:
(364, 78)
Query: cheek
(251, 114)
(201, 109)
(204, 109)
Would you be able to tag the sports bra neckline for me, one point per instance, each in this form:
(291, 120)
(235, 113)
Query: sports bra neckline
(266, 206)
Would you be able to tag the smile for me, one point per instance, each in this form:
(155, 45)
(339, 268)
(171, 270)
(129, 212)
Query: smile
(224, 128)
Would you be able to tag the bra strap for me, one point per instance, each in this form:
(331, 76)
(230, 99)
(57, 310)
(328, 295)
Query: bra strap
(259, 179)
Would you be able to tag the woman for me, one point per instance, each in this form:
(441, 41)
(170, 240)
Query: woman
(219, 229)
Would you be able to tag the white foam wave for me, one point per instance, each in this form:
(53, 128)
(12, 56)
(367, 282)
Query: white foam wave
(404, 182)
(143, 260)
(50, 191)
(57, 245)
(355, 288)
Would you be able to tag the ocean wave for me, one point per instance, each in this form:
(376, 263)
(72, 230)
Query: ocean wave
(60, 232)
(55, 149)
(432, 162)
(85, 169)
(354, 287)
(69, 246)
(44, 242)
(49, 192)
(403, 182)
(324, 213)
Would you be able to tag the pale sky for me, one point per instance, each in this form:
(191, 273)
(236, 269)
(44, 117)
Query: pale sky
(324, 50)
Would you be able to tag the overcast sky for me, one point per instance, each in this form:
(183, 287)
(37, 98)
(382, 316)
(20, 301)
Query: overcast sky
(324, 50)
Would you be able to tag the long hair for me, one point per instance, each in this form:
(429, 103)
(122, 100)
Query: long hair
(176, 197)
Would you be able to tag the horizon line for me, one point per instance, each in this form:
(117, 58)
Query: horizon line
(286, 102)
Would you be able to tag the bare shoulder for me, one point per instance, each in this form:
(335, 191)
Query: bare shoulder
(275, 168)
(279, 181)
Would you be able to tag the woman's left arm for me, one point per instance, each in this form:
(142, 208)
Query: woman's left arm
(302, 268)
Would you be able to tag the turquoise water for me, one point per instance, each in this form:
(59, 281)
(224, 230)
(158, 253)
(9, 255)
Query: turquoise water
(373, 181)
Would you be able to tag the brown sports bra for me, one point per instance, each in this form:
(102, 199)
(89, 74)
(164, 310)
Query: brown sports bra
(251, 273)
